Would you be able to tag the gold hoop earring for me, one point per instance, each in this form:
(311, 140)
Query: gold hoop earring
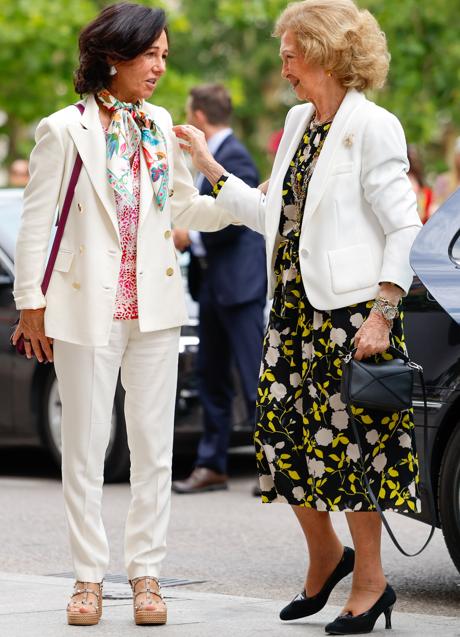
(329, 73)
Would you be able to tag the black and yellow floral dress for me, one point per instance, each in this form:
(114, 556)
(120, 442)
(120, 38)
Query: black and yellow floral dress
(306, 453)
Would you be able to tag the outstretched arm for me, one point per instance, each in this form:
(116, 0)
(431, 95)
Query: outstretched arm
(245, 203)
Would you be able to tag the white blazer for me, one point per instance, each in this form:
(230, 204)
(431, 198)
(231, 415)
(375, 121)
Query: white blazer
(80, 300)
(360, 216)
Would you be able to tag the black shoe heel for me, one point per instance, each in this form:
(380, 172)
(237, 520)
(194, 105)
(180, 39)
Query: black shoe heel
(364, 623)
(388, 612)
(303, 606)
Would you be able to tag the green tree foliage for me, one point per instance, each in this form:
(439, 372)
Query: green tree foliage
(230, 41)
(37, 58)
(424, 82)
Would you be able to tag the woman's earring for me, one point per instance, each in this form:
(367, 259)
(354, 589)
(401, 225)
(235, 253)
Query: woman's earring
(329, 73)
(112, 70)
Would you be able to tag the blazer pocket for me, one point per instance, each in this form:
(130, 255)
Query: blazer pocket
(352, 268)
(342, 168)
(63, 260)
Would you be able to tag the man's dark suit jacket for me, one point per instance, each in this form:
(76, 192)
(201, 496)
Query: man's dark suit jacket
(235, 256)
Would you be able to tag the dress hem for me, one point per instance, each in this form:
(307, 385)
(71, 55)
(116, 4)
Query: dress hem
(336, 509)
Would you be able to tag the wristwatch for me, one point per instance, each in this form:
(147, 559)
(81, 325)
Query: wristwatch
(388, 310)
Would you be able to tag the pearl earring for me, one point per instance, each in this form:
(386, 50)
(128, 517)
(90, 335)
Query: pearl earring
(112, 70)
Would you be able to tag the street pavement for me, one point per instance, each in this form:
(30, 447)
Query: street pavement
(240, 561)
(32, 606)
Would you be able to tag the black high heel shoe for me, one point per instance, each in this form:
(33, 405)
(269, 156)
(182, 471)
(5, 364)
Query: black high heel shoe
(303, 606)
(364, 623)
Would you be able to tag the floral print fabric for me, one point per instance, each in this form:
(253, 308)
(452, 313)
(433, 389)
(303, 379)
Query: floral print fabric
(131, 127)
(306, 453)
(218, 185)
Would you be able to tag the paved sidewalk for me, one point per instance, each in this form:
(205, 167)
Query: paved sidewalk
(32, 606)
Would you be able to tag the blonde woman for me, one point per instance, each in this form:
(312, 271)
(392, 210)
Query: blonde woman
(339, 218)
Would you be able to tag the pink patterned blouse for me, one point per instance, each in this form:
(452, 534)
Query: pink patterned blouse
(128, 221)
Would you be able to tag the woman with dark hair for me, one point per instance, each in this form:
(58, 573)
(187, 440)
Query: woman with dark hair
(115, 298)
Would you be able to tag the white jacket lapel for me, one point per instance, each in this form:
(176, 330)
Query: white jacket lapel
(89, 139)
(283, 159)
(335, 137)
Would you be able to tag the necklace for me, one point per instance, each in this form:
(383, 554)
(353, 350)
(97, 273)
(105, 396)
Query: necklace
(300, 178)
(324, 120)
(299, 189)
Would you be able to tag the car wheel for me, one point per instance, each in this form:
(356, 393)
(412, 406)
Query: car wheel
(449, 496)
(116, 466)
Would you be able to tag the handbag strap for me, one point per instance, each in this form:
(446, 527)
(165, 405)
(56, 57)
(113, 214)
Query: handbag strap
(391, 349)
(63, 216)
(427, 465)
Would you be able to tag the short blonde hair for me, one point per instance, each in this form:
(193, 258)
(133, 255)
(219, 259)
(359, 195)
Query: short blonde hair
(341, 38)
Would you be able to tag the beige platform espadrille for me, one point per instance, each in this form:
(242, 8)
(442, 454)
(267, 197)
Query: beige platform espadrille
(86, 611)
(152, 609)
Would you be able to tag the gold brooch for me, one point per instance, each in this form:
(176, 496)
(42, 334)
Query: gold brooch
(348, 140)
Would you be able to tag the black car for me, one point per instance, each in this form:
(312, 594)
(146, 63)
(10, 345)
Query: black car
(31, 407)
(29, 397)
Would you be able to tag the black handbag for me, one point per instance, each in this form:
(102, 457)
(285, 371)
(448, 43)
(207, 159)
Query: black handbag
(385, 386)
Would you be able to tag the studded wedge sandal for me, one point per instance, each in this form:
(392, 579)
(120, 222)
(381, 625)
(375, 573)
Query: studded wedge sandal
(152, 609)
(86, 611)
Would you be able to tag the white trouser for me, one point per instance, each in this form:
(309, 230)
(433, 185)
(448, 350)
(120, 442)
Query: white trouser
(87, 378)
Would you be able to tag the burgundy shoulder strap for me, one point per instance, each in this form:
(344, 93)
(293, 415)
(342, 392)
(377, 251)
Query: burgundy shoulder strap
(64, 214)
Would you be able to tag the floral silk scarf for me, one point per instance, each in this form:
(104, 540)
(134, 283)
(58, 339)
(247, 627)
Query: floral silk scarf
(130, 126)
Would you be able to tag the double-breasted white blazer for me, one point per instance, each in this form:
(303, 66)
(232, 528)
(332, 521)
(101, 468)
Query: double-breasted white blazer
(81, 296)
(360, 217)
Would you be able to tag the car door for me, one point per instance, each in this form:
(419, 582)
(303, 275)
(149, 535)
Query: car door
(433, 308)
(432, 316)
(433, 341)
(7, 317)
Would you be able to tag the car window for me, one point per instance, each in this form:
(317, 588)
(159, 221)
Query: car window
(10, 216)
(5, 274)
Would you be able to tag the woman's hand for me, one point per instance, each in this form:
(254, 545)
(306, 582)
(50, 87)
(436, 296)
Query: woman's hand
(181, 239)
(373, 337)
(32, 327)
(193, 141)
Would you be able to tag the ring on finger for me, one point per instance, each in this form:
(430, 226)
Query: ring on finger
(26, 340)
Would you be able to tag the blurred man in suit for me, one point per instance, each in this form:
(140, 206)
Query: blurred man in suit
(227, 276)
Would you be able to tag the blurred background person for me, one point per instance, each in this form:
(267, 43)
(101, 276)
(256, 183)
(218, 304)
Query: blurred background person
(227, 276)
(18, 173)
(422, 191)
(446, 183)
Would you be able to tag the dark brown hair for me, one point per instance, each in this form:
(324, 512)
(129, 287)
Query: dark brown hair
(214, 100)
(120, 32)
